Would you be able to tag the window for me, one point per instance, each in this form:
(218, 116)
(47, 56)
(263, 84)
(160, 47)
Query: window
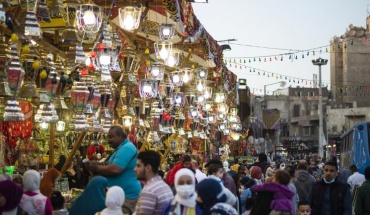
(306, 130)
(311, 94)
(334, 128)
(298, 93)
(296, 110)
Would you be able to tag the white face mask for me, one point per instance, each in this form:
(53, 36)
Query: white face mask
(329, 182)
(185, 191)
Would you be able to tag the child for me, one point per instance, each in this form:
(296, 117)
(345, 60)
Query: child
(282, 198)
(304, 208)
(57, 201)
(216, 172)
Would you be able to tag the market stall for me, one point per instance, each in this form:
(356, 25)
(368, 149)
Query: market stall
(71, 69)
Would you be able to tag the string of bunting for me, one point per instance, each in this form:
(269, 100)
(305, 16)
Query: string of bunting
(295, 54)
(349, 86)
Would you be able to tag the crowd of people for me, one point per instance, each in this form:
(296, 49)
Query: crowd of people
(133, 182)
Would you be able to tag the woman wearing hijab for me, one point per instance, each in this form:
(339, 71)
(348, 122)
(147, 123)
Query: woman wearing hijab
(184, 202)
(48, 181)
(33, 202)
(211, 198)
(114, 201)
(10, 196)
(92, 198)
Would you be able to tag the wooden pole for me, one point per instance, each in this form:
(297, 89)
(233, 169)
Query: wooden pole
(51, 144)
(75, 147)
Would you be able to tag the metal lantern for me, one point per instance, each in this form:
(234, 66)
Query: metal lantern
(207, 106)
(60, 126)
(222, 126)
(221, 116)
(227, 131)
(70, 34)
(194, 112)
(207, 92)
(129, 17)
(4, 86)
(129, 60)
(89, 18)
(179, 99)
(148, 88)
(31, 27)
(234, 111)
(78, 122)
(219, 97)
(173, 58)
(13, 112)
(202, 73)
(211, 118)
(162, 49)
(176, 79)
(14, 69)
(46, 113)
(222, 108)
(79, 96)
(186, 75)
(166, 31)
(235, 136)
(200, 98)
(93, 124)
(200, 85)
(127, 121)
(156, 71)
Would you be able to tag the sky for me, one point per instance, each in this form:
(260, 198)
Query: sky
(282, 24)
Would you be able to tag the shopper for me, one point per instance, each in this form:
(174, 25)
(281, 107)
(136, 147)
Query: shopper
(48, 182)
(185, 162)
(114, 201)
(120, 168)
(57, 201)
(10, 197)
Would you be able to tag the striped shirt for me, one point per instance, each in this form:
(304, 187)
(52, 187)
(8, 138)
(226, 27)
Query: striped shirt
(153, 197)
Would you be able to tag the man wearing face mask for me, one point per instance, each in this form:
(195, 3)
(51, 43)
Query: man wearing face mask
(329, 196)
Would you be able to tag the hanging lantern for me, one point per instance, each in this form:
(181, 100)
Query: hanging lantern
(219, 97)
(56, 8)
(14, 69)
(129, 60)
(179, 99)
(166, 31)
(207, 92)
(31, 27)
(13, 112)
(93, 123)
(129, 17)
(162, 49)
(235, 136)
(173, 58)
(176, 79)
(60, 126)
(156, 70)
(211, 118)
(221, 116)
(79, 96)
(4, 86)
(234, 111)
(186, 75)
(222, 126)
(127, 121)
(202, 73)
(227, 131)
(46, 113)
(89, 18)
(222, 108)
(207, 106)
(78, 122)
(70, 34)
(200, 85)
(148, 88)
(194, 112)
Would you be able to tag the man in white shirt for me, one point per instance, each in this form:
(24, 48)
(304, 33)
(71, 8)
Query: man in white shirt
(356, 178)
(199, 175)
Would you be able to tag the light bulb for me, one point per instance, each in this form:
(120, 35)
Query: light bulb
(147, 88)
(202, 74)
(127, 122)
(44, 125)
(88, 61)
(194, 113)
(166, 32)
(207, 95)
(227, 131)
(175, 78)
(200, 86)
(178, 100)
(211, 118)
(171, 61)
(207, 106)
(185, 78)
(155, 71)
(89, 17)
(222, 126)
(163, 53)
(104, 59)
(128, 23)
(200, 98)
(221, 115)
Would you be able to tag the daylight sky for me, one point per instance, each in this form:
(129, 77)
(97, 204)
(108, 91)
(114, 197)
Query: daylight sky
(281, 24)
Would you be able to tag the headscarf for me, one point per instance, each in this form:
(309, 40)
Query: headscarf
(188, 190)
(256, 172)
(60, 164)
(211, 192)
(31, 181)
(48, 181)
(223, 209)
(114, 201)
(92, 198)
(12, 193)
(5, 176)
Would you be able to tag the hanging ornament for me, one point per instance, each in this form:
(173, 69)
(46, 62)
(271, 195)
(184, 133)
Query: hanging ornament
(14, 38)
(26, 49)
(146, 51)
(43, 74)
